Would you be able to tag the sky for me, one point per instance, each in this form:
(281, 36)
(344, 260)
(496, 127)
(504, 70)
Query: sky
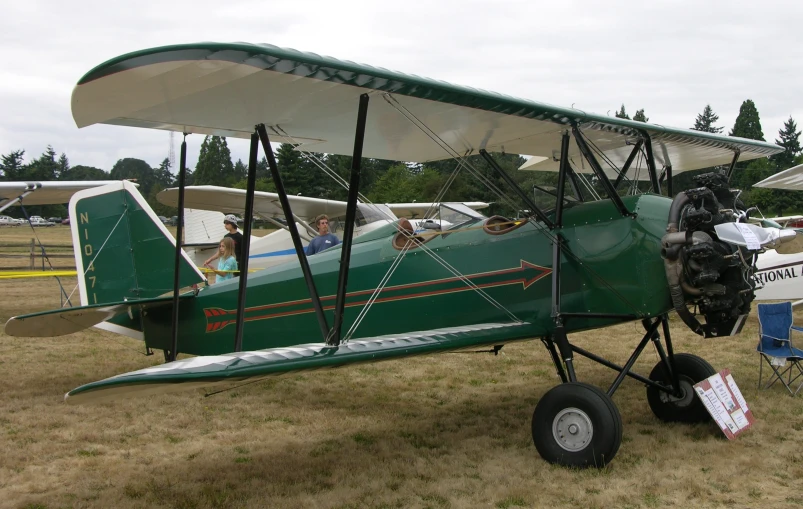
(669, 57)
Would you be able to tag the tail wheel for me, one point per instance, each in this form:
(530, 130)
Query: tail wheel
(688, 407)
(577, 425)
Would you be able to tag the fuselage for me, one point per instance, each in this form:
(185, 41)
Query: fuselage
(781, 276)
(274, 248)
(610, 264)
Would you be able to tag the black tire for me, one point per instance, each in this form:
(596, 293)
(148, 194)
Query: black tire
(689, 409)
(597, 425)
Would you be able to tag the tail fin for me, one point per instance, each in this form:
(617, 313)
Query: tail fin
(203, 226)
(123, 252)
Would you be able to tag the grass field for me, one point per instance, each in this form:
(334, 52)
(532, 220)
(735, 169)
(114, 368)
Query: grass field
(451, 430)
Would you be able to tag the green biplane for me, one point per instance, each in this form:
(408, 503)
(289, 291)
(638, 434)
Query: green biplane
(599, 253)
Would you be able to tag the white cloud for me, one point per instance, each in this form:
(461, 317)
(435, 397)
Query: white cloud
(669, 57)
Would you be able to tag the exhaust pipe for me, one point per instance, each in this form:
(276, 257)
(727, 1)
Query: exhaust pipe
(671, 244)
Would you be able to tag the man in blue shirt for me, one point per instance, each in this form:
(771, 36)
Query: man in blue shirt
(324, 240)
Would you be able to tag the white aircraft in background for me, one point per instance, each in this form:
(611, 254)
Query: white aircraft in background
(43, 192)
(204, 208)
(781, 270)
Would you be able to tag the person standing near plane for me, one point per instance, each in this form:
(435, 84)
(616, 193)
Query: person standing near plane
(230, 223)
(226, 264)
(324, 240)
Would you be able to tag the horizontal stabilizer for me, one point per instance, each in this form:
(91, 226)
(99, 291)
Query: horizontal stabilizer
(61, 322)
(235, 367)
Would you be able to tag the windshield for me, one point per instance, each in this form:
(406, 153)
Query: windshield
(457, 214)
(372, 212)
(366, 213)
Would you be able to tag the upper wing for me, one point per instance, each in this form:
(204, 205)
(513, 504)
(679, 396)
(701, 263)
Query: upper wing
(46, 193)
(416, 210)
(791, 179)
(306, 99)
(227, 199)
(209, 370)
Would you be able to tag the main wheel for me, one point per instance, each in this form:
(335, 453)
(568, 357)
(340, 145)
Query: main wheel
(687, 408)
(577, 425)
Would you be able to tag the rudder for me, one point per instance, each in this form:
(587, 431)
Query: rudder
(123, 252)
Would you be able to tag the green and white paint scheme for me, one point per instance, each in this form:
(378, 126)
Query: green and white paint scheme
(611, 263)
(124, 257)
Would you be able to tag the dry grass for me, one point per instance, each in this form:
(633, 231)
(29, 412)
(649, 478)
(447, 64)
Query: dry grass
(451, 430)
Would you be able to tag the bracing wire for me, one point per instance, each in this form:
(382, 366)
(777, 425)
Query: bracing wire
(432, 135)
(462, 163)
(322, 165)
(101, 247)
(44, 254)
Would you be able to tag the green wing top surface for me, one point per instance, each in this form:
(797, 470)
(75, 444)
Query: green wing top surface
(235, 367)
(227, 88)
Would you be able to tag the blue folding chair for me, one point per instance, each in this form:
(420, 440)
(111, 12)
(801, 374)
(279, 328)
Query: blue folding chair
(775, 346)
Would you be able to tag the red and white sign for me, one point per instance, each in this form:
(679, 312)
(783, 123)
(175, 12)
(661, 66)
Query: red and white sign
(724, 401)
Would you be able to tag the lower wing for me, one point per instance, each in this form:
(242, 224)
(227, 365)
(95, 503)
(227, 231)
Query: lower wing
(235, 367)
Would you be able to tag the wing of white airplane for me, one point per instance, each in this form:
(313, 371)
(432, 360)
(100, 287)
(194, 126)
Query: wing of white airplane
(791, 179)
(230, 200)
(45, 192)
(418, 210)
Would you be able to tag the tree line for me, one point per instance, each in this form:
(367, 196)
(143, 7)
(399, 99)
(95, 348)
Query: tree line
(385, 181)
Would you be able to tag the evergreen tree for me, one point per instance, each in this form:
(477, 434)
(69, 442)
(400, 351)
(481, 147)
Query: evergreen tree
(748, 124)
(214, 163)
(162, 175)
(640, 116)
(622, 113)
(705, 121)
(240, 170)
(790, 141)
(426, 184)
(162, 179)
(11, 165)
(372, 169)
(63, 165)
(263, 170)
(395, 186)
(291, 167)
(137, 170)
(43, 168)
(82, 172)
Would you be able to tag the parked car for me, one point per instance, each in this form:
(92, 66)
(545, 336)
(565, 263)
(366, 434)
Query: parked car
(9, 221)
(54, 220)
(66, 221)
(163, 219)
(40, 221)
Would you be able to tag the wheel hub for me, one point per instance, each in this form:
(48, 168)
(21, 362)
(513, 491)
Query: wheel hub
(572, 429)
(686, 393)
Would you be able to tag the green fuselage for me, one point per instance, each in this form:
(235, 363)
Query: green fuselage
(611, 264)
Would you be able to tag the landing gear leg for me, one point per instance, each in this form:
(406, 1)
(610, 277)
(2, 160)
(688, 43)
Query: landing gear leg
(574, 424)
(565, 351)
